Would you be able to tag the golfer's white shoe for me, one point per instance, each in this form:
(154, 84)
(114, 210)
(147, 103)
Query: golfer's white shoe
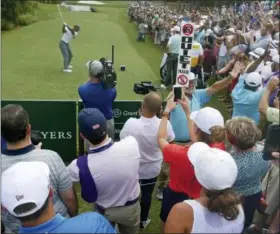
(67, 70)
(163, 86)
(69, 67)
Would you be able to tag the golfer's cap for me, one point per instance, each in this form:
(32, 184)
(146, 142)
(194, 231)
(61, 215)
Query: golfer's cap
(95, 67)
(257, 53)
(276, 58)
(176, 28)
(253, 79)
(206, 118)
(208, 32)
(92, 123)
(214, 169)
(25, 182)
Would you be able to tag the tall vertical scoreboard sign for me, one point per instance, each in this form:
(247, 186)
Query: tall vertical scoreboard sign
(185, 52)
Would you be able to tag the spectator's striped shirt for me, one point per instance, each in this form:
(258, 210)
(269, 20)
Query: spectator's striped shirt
(59, 177)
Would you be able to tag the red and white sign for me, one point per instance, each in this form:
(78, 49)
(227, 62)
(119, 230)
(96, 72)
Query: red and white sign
(187, 29)
(184, 63)
(182, 80)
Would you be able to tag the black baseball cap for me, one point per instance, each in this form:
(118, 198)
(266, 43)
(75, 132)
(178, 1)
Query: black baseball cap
(92, 123)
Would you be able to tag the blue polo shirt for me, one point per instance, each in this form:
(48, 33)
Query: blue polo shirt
(246, 102)
(178, 117)
(94, 95)
(89, 222)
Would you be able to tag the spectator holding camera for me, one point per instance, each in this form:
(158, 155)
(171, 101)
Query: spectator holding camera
(28, 195)
(145, 132)
(109, 173)
(95, 95)
(206, 125)
(16, 131)
(196, 99)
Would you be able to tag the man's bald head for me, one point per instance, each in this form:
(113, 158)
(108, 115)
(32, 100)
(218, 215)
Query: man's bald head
(152, 103)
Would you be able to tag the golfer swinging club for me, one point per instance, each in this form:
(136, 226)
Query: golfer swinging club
(68, 34)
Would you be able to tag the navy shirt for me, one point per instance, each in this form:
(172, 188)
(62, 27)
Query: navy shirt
(3, 144)
(95, 96)
(89, 222)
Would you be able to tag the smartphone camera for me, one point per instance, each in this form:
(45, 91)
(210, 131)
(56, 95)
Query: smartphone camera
(177, 93)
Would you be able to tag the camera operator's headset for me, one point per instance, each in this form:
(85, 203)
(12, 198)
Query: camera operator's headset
(100, 75)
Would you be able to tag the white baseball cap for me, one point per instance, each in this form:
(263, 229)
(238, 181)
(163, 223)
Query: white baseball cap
(276, 58)
(95, 67)
(257, 53)
(191, 76)
(253, 79)
(176, 28)
(214, 169)
(25, 182)
(206, 118)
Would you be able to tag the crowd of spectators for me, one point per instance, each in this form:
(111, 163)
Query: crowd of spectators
(212, 174)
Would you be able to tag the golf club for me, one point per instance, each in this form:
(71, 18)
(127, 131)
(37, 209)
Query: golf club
(60, 13)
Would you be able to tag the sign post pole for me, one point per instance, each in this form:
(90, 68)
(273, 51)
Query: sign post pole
(185, 52)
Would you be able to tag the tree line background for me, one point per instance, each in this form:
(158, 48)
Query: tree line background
(20, 12)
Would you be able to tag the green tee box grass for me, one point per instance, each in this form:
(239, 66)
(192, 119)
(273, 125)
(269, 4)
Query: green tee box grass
(32, 62)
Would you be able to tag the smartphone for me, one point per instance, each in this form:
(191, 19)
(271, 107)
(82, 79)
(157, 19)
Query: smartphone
(36, 137)
(272, 143)
(177, 93)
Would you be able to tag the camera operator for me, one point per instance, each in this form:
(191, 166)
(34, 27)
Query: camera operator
(95, 95)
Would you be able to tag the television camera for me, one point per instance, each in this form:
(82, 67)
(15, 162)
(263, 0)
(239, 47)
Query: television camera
(108, 76)
(145, 87)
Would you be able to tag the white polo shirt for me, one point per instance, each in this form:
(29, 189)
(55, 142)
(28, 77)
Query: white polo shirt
(68, 36)
(174, 44)
(145, 131)
(115, 172)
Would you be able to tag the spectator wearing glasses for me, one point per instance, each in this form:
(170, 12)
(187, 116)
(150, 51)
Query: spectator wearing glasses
(218, 208)
(109, 173)
(27, 194)
(145, 132)
(16, 131)
(196, 99)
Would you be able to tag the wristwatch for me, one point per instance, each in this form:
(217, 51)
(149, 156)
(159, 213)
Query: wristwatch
(166, 114)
